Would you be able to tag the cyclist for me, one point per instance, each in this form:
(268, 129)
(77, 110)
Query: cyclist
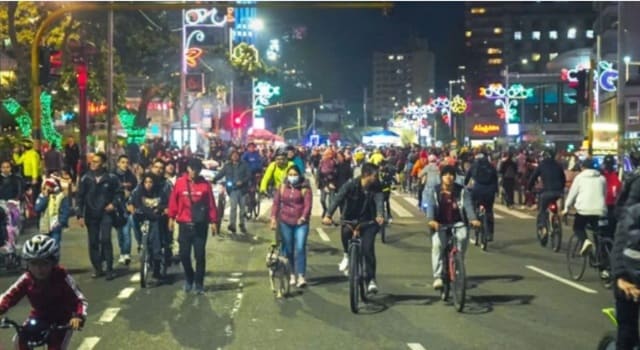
(387, 180)
(376, 157)
(53, 294)
(447, 203)
(553, 182)
(236, 174)
(485, 187)
(613, 188)
(253, 159)
(587, 195)
(276, 172)
(363, 201)
(150, 203)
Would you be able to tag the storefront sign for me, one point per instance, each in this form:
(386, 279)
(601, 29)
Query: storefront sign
(486, 129)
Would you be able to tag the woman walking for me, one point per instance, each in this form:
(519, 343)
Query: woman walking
(291, 210)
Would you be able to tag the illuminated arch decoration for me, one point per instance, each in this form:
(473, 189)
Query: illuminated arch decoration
(206, 17)
(134, 134)
(458, 105)
(20, 114)
(200, 18)
(506, 99)
(246, 58)
(263, 92)
(48, 130)
(415, 112)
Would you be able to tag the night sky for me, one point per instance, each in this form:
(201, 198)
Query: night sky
(340, 43)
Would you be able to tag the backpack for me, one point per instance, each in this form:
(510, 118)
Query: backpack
(483, 174)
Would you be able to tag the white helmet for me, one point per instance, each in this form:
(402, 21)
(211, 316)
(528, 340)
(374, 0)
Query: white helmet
(41, 247)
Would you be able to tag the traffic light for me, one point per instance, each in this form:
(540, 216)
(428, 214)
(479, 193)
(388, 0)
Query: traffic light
(50, 61)
(237, 121)
(582, 93)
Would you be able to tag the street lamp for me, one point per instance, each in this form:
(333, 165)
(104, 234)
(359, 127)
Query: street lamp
(627, 63)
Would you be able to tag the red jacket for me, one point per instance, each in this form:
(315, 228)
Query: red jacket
(54, 302)
(292, 203)
(180, 204)
(613, 186)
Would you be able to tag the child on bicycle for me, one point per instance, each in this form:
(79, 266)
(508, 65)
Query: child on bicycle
(54, 295)
(448, 203)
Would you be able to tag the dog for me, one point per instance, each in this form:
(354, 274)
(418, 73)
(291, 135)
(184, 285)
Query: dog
(279, 272)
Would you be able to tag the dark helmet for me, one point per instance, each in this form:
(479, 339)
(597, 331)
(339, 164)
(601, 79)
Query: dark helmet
(548, 153)
(588, 163)
(609, 162)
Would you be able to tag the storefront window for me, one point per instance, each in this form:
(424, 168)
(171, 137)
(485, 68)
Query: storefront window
(569, 106)
(531, 110)
(550, 110)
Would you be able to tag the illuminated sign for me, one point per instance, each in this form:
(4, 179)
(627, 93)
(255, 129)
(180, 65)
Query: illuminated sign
(263, 92)
(486, 128)
(208, 17)
(607, 76)
(192, 56)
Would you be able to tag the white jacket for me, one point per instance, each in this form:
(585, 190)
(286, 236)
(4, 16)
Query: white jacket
(587, 193)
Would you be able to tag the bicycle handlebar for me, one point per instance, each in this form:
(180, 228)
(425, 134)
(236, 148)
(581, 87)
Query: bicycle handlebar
(8, 323)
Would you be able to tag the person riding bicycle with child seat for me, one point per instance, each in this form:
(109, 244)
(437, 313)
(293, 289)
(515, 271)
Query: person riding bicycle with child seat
(587, 195)
(362, 201)
(448, 203)
(53, 294)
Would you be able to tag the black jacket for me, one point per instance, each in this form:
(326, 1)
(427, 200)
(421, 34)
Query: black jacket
(552, 175)
(126, 177)
(94, 196)
(343, 173)
(11, 187)
(150, 205)
(629, 220)
(359, 203)
(478, 188)
(234, 173)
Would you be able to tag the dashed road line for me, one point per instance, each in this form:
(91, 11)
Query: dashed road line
(135, 278)
(416, 346)
(323, 235)
(126, 293)
(562, 280)
(109, 314)
(515, 213)
(89, 343)
(498, 216)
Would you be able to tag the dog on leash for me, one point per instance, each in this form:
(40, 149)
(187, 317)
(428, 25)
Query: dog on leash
(279, 272)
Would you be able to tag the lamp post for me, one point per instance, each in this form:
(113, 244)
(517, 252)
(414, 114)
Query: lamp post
(453, 120)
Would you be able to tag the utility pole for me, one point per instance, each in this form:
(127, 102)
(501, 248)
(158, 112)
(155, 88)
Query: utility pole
(590, 99)
(110, 109)
(621, 86)
(364, 108)
(299, 111)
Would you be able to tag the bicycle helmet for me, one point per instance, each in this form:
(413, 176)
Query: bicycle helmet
(41, 247)
(609, 162)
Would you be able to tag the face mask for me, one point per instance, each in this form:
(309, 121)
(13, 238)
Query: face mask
(293, 179)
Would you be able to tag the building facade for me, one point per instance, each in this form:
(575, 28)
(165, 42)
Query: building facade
(401, 76)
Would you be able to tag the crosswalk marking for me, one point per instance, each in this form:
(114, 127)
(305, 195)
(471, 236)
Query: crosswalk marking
(416, 346)
(126, 293)
(515, 213)
(323, 234)
(399, 210)
(89, 343)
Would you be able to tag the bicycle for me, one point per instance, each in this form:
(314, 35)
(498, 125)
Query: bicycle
(608, 341)
(453, 269)
(481, 232)
(147, 263)
(597, 258)
(553, 228)
(252, 201)
(357, 287)
(33, 333)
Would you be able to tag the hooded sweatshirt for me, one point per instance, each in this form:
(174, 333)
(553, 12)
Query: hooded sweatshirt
(587, 193)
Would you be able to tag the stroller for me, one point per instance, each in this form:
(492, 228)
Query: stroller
(11, 224)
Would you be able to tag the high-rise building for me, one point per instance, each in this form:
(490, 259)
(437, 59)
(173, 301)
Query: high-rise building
(524, 36)
(401, 76)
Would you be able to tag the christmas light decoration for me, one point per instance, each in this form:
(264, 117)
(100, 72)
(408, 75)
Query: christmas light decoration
(134, 134)
(192, 56)
(20, 114)
(48, 130)
(506, 99)
(245, 57)
(458, 105)
(263, 92)
(206, 17)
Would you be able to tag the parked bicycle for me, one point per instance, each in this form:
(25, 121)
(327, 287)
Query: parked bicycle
(598, 257)
(454, 277)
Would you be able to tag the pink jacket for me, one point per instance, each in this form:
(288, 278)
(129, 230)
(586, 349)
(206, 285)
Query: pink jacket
(291, 203)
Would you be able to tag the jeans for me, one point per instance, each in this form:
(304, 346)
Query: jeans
(56, 235)
(367, 241)
(124, 236)
(236, 198)
(487, 202)
(326, 198)
(546, 198)
(294, 246)
(509, 186)
(193, 235)
(627, 316)
(580, 224)
(437, 248)
(100, 247)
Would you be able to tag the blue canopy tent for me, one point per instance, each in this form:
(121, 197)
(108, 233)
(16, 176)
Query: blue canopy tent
(381, 138)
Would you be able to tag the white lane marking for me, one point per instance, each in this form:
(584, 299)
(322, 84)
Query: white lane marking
(126, 293)
(412, 200)
(515, 213)
(88, 343)
(316, 206)
(236, 274)
(323, 234)
(498, 216)
(416, 346)
(109, 314)
(265, 207)
(562, 280)
(399, 210)
(233, 279)
(135, 278)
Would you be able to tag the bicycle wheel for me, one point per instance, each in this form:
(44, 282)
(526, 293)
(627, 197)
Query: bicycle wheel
(256, 209)
(484, 242)
(606, 246)
(444, 292)
(608, 341)
(575, 262)
(145, 262)
(459, 281)
(354, 277)
(383, 233)
(556, 233)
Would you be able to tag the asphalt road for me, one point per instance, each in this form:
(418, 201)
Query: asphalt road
(515, 300)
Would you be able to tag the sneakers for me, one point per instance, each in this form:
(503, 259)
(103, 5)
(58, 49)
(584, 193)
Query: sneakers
(586, 246)
(344, 263)
(605, 274)
(127, 259)
(121, 260)
(199, 289)
(292, 280)
(231, 229)
(373, 287)
(437, 284)
(301, 282)
(243, 229)
(110, 276)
